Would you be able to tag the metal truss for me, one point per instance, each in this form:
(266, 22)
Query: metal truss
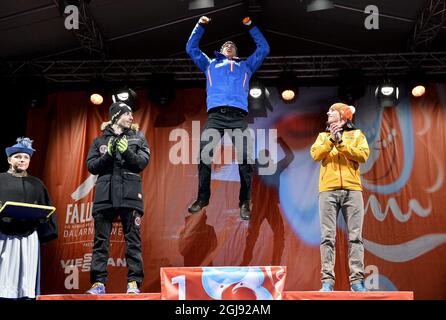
(305, 67)
(428, 25)
(88, 34)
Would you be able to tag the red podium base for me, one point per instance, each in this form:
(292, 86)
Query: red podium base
(287, 295)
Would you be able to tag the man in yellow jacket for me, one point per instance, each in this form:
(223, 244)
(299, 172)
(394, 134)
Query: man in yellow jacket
(341, 149)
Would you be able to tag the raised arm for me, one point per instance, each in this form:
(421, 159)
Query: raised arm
(255, 60)
(192, 47)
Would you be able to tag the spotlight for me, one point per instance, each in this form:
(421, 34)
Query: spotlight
(96, 99)
(387, 90)
(255, 92)
(288, 95)
(417, 81)
(256, 89)
(97, 91)
(200, 4)
(258, 99)
(317, 5)
(126, 95)
(288, 87)
(387, 93)
(256, 106)
(418, 91)
(122, 95)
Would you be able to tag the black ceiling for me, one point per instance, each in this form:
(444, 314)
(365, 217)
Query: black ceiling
(34, 29)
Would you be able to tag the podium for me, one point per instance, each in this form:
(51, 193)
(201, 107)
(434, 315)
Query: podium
(232, 283)
(223, 283)
(25, 211)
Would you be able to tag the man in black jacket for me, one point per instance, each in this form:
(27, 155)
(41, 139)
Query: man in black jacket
(117, 157)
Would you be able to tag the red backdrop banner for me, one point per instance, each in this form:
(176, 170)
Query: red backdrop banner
(404, 193)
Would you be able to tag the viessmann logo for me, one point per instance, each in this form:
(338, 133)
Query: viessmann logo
(72, 267)
(84, 263)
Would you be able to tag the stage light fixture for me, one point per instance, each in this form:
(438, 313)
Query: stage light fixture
(256, 89)
(387, 90)
(200, 4)
(127, 95)
(255, 92)
(258, 99)
(288, 95)
(287, 86)
(387, 93)
(97, 91)
(96, 98)
(418, 91)
(417, 82)
(317, 5)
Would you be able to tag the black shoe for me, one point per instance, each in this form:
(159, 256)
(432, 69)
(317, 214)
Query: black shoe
(197, 206)
(245, 210)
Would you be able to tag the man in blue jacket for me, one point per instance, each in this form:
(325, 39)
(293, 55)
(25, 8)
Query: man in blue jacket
(227, 89)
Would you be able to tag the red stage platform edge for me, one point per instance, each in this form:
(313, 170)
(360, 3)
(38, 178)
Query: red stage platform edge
(288, 295)
(348, 295)
(108, 296)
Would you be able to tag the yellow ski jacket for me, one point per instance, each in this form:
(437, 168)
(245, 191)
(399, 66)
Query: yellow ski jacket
(340, 161)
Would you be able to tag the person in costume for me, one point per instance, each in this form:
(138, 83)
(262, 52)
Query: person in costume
(20, 239)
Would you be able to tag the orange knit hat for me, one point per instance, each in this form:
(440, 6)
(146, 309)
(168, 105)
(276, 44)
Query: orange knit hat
(344, 110)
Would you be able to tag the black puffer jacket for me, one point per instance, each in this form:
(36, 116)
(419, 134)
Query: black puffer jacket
(119, 183)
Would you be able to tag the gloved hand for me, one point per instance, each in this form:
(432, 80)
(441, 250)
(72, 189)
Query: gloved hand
(110, 146)
(122, 144)
(247, 21)
(204, 20)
